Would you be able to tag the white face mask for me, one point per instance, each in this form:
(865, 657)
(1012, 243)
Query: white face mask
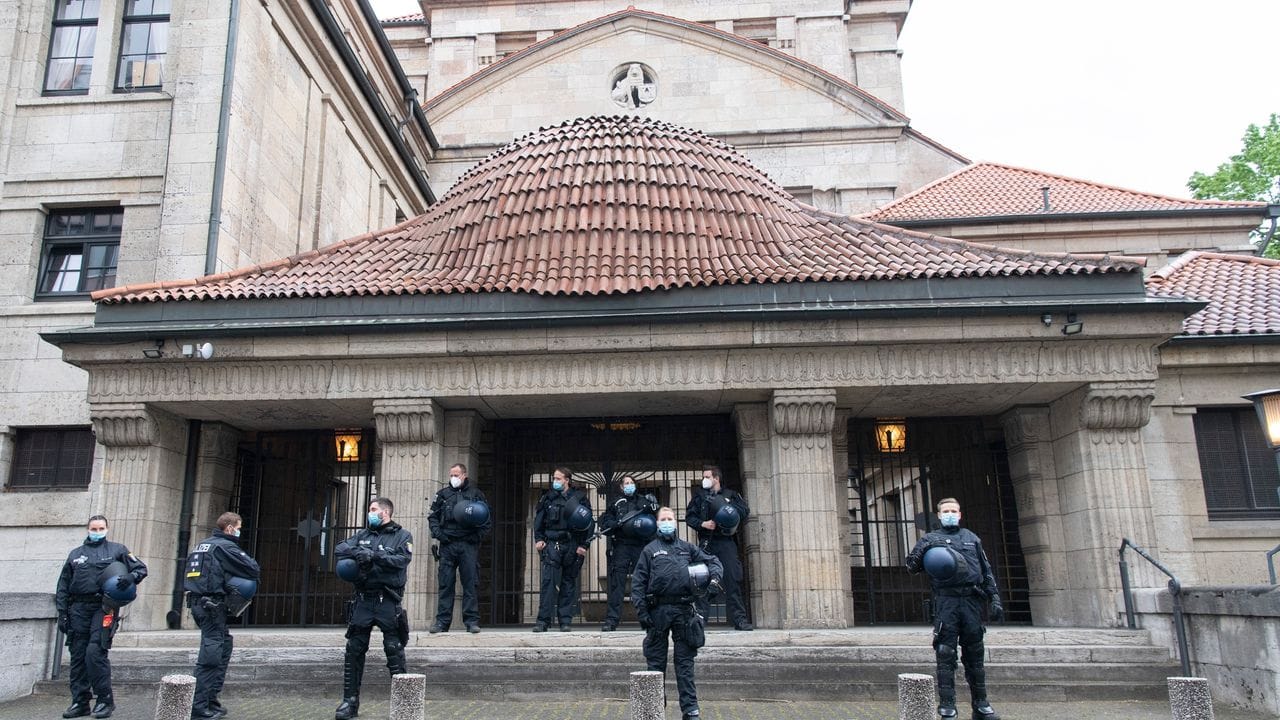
(707, 483)
(455, 481)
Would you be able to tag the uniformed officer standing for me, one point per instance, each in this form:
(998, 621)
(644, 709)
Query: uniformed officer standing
(90, 622)
(620, 522)
(209, 566)
(664, 595)
(562, 548)
(720, 541)
(459, 548)
(383, 552)
(958, 601)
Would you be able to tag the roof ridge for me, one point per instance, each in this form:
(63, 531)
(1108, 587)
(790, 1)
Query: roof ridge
(1129, 191)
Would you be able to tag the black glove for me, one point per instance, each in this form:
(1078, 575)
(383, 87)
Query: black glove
(64, 623)
(364, 555)
(997, 611)
(714, 588)
(124, 582)
(646, 622)
(435, 551)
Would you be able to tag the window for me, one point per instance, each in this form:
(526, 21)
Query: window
(52, 458)
(143, 44)
(75, 28)
(1238, 469)
(81, 248)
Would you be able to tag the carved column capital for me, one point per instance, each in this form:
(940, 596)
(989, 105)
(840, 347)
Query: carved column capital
(410, 420)
(123, 424)
(1025, 425)
(1117, 407)
(803, 412)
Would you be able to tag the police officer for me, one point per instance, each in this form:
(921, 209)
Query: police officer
(562, 548)
(213, 561)
(383, 552)
(958, 599)
(664, 595)
(459, 549)
(90, 620)
(619, 522)
(720, 541)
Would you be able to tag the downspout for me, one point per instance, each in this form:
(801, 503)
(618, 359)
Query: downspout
(174, 617)
(220, 154)
(1273, 210)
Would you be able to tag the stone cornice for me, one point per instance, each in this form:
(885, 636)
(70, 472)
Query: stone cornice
(1117, 407)
(800, 368)
(123, 425)
(803, 412)
(405, 420)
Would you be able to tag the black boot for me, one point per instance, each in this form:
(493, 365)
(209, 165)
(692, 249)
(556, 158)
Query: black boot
(76, 709)
(104, 708)
(349, 708)
(982, 710)
(946, 708)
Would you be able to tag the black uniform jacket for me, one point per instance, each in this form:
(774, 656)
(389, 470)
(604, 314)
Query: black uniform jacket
(215, 559)
(977, 571)
(392, 550)
(86, 562)
(441, 518)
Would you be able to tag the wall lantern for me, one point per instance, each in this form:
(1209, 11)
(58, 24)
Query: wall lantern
(347, 445)
(1267, 403)
(891, 435)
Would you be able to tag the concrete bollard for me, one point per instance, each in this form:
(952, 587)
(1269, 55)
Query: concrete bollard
(648, 696)
(915, 697)
(408, 696)
(173, 697)
(1189, 698)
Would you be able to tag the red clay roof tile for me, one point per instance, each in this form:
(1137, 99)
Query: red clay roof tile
(668, 207)
(1243, 292)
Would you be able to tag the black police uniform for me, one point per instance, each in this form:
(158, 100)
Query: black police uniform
(459, 554)
(214, 560)
(561, 563)
(383, 555)
(702, 507)
(89, 623)
(665, 603)
(624, 547)
(957, 604)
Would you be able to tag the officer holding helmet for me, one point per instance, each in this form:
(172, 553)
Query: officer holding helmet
(671, 577)
(962, 584)
(95, 571)
(630, 523)
(717, 513)
(459, 520)
(562, 529)
(210, 567)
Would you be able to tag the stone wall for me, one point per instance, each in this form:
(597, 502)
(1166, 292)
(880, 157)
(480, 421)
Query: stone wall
(1233, 634)
(27, 631)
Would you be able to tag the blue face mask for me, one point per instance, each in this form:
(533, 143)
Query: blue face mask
(950, 519)
(667, 527)
(97, 537)
(557, 485)
(628, 490)
(374, 519)
(236, 532)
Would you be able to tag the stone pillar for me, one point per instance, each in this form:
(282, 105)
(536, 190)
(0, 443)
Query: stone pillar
(840, 466)
(915, 697)
(408, 696)
(810, 560)
(141, 491)
(648, 695)
(761, 531)
(461, 444)
(408, 435)
(174, 696)
(1035, 489)
(1190, 699)
(1103, 493)
(215, 476)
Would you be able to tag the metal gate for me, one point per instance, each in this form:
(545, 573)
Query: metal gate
(893, 489)
(664, 454)
(301, 493)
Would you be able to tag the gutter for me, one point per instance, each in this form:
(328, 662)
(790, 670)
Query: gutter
(220, 153)
(1274, 211)
(331, 28)
(390, 54)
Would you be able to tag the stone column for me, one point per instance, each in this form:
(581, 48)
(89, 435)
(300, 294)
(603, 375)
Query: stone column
(215, 476)
(810, 561)
(141, 492)
(1103, 492)
(408, 434)
(840, 466)
(461, 444)
(1035, 489)
(761, 531)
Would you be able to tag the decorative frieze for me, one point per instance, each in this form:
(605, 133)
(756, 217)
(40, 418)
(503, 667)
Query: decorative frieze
(803, 412)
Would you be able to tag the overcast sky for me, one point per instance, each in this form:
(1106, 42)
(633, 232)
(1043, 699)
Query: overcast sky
(1136, 93)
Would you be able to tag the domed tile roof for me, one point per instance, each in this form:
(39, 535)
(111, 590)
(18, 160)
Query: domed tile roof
(614, 205)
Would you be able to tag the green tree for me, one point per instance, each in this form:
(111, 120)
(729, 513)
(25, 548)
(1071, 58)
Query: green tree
(1252, 174)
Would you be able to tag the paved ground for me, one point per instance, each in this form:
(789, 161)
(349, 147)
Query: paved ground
(140, 706)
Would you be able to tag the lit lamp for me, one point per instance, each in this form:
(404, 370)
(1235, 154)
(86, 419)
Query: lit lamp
(891, 435)
(347, 445)
(1267, 403)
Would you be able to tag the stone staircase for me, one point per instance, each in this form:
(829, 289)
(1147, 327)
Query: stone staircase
(1024, 663)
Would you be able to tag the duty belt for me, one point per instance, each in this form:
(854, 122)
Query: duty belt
(669, 599)
(957, 591)
(86, 597)
(557, 535)
(194, 599)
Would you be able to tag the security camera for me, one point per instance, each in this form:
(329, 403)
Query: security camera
(204, 351)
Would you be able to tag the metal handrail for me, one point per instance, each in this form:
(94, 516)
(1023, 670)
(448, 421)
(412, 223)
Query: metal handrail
(1175, 590)
(1271, 563)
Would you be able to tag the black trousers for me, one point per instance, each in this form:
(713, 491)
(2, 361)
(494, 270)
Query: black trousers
(622, 562)
(458, 560)
(215, 650)
(671, 621)
(958, 620)
(88, 642)
(735, 609)
(368, 612)
(558, 597)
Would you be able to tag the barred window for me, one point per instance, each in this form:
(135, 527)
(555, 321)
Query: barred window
(144, 41)
(52, 459)
(81, 249)
(75, 29)
(1239, 471)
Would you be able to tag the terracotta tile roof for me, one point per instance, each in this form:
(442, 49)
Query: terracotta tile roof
(993, 190)
(1243, 292)
(412, 17)
(607, 205)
